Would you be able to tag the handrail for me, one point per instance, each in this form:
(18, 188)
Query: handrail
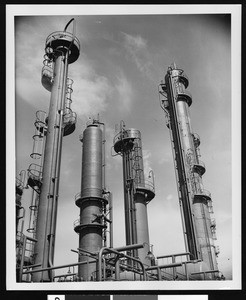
(174, 255)
(206, 193)
(61, 34)
(98, 192)
(76, 223)
(200, 162)
(58, 267)
(70, 117)
(149, 184)
(196, 136)
(119, 254)
(19, 183)
(126, 133)
(36, 171)
(185, 92)
(180, 73)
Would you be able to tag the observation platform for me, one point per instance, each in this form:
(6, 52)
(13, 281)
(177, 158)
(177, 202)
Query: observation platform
(35, 177)
(62, 41)
(97, 195)
(123, 141)
(184, 96)
(199, 167)
(69, 123)
(47, 77)
(202, 197)
(196, 139)
(147, 190)
(182, 77)
(78, 226)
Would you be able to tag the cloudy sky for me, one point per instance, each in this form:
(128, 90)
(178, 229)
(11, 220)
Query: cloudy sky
(123, 59)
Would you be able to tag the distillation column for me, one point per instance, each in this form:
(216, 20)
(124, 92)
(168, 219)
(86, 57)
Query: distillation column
(62, 48)
(195, 201)
(138, 192)
(92, 201)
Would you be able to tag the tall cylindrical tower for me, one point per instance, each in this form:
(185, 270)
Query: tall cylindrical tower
(62, 48)
(91, 200)
(138, 192)
(195, 201)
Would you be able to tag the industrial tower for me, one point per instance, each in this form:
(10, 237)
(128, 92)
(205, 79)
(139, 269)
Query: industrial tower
(93, 201)
(195, 202)
(61, 49)
(138, 192)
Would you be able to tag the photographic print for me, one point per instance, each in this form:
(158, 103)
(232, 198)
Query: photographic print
(125, 122)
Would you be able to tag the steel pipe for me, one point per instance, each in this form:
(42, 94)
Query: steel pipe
(109, 250)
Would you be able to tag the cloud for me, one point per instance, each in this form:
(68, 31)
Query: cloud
(124, 92)
(136, 47)
(134, 43)
(91, 91)
(169, 197)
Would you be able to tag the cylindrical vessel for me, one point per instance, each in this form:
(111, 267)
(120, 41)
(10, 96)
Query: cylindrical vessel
(90, 201)
(62, 48)
(193, 198)
(42, 247)
(142, 227)
(91, 181)
(136, 196)
(201, 215)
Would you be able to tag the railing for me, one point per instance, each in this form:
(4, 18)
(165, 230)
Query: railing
(19, 183)
(119, 137)
(196, 139)
(206, 272)
(213, 223)
(199, 165)
(35, 171)
(118, 256)
(129, 133)
(203, 192)
(41, 117)
(149, 185)
(210, 207)
(217, 250)
(173, 271)
(77, 196)
(76, 223)
(90, 192)
(69, 91)
(180, 73)
(206, 193)
(62, 34)
(48, 71)
(186, 95)
(70, 117)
